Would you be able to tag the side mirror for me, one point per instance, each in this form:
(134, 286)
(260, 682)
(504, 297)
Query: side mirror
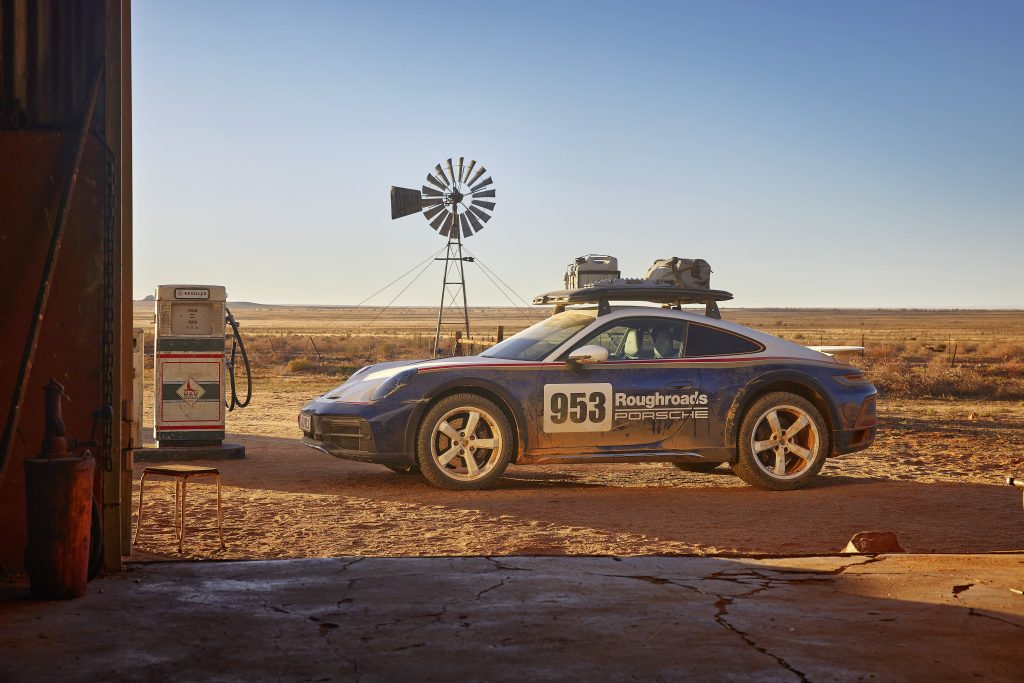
(584, 355)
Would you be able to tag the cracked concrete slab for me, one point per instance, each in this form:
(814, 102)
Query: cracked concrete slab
(898, 617)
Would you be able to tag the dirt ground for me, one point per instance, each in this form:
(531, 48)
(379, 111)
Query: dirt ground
(935, 478)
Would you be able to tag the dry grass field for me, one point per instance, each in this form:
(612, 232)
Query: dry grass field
(910, 353)
(951, 409)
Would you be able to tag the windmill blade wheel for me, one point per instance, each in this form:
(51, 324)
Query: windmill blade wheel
(450, 198)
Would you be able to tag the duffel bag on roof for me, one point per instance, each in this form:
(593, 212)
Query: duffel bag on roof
(680, 272)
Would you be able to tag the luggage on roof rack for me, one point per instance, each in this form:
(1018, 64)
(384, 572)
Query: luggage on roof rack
(634, 290)
(680, 272)
(590, 269)
(595, 279)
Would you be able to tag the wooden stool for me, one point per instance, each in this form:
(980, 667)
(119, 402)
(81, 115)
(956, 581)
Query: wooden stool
(181, 474)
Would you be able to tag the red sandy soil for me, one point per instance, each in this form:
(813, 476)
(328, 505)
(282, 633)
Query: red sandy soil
(934, 477)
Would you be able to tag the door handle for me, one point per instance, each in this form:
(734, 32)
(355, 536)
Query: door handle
(679, 385)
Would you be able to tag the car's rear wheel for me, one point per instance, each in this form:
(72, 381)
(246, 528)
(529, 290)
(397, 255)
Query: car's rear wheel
(465, 441)
(783, 443)
(703, 467)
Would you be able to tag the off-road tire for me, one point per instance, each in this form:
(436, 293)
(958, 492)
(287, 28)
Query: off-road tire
(760, 468)
(443, 428)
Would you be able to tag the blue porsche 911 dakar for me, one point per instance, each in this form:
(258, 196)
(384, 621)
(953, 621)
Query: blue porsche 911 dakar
(604, 384)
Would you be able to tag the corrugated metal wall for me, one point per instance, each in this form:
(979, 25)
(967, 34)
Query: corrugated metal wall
(49, 51)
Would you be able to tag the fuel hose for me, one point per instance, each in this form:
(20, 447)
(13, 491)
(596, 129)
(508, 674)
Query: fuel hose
(237, 348)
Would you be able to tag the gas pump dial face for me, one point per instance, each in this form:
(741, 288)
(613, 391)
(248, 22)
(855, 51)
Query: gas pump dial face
(191, 319)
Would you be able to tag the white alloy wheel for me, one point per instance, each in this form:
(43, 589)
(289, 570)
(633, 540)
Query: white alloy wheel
(465, 442)
(783, 442)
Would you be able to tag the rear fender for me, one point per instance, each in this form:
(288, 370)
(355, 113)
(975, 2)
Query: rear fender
(777, 380)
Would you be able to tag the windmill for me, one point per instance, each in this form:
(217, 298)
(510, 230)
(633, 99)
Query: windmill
(453, 202)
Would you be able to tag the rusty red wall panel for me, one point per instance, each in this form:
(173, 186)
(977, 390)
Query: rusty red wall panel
(35, 167)
(48, 50)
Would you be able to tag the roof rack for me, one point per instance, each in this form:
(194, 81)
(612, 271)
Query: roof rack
(643, 291)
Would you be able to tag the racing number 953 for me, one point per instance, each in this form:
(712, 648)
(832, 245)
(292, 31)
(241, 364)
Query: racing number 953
(577, 407)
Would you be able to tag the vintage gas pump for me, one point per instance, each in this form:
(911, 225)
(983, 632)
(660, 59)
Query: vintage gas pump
(190, 369)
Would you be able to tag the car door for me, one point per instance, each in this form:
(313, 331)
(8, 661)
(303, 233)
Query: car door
(641, 399)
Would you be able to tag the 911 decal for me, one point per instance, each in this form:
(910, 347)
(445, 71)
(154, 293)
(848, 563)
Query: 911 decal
(577, 407)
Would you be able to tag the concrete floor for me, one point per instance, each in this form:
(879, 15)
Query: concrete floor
(891, 617)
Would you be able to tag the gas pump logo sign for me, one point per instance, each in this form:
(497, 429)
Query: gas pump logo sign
(190, 391)
(191, 293)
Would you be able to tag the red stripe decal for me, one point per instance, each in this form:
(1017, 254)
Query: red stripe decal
(166, 355)
(646, 361)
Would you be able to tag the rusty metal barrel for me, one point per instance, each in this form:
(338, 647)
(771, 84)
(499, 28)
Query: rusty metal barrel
(59, 499)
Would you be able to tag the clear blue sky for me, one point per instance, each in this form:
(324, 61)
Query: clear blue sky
(816, 153)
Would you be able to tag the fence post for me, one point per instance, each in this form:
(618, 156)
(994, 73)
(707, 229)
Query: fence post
(501, 334)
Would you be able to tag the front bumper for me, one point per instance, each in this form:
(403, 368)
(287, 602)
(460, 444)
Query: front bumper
(852, 440)
(862, 433)
(374, 438)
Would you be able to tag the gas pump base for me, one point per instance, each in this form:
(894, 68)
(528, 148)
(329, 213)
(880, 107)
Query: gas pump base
(226, 451)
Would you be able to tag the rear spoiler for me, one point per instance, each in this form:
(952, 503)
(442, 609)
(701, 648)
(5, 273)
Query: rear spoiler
(837, 351)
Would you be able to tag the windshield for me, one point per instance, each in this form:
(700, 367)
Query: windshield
(537, 341)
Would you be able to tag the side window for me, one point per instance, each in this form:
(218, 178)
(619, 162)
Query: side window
(668, 337)
(612, 338)
(702, 340)
(641, 339)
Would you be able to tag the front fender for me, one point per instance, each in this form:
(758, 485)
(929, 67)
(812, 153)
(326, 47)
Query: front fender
(480, 385)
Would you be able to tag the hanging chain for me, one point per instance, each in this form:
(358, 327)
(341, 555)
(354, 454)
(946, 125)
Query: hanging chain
(109, 230)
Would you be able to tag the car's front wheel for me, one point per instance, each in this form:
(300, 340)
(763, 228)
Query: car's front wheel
(783, 442)
(465, 441)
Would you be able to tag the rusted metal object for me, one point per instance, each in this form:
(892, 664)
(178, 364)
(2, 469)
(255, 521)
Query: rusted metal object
(59, 506)
(58, 489)
(181, 474)
(55, 442)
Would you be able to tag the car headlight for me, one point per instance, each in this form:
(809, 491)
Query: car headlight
(393, 384)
